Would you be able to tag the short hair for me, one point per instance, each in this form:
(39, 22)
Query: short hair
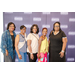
(32, 28)
(10, 24)
(22, 26)
(44, 28)
(54, 26)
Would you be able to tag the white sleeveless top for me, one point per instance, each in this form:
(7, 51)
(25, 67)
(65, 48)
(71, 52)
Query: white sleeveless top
(22, 43)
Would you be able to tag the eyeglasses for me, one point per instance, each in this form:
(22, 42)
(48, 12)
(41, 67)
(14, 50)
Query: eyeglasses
(11, 26)
(23, 29)
(56, 26)
(34, 28)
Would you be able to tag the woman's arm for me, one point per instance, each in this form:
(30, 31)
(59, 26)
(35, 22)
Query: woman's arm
(16, 46)
(4, 43)
(48, 44)
(64, 40)
(29, 46)
(49, 39)
(40, 40)
(30, 49)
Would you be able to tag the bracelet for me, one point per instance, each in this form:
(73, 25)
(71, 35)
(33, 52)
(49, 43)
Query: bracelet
(31, 53)
(62, 51)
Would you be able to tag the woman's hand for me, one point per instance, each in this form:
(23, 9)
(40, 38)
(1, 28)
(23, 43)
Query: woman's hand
(31, 56)
(39, 56)
(19, 55)
(61, 54)
(7, 53)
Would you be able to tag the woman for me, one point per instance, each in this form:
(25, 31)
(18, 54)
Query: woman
(20, 44)
(8, 43)
(32, 42)
(57, 46)
(43, 47)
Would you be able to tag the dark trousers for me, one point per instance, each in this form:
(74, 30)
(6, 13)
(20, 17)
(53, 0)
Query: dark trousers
(35, 57)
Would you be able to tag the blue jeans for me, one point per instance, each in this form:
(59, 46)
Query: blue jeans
(24, 57)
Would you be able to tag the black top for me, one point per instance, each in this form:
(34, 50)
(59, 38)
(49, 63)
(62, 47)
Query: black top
(56, 40)
(13, 39)
(56, 46)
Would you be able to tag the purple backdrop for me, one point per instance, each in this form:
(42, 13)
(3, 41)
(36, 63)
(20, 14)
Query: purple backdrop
(45, 19)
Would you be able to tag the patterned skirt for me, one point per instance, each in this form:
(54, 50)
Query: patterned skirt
(43, 57)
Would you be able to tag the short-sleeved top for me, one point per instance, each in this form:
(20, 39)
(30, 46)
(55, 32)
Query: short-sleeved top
(56, 40)
(34, 42)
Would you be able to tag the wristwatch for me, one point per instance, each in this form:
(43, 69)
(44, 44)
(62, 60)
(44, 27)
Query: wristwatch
(31, 53)
(62, 51)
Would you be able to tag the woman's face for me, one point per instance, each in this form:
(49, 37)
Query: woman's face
(44, 32)
(23, 30)
(34, 29)
(11, 27)
(56, 27)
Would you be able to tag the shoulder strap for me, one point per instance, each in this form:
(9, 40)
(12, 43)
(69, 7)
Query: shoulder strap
(22, 36)
(35, 36)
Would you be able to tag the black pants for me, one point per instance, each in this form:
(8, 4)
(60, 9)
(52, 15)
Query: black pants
(35, 57)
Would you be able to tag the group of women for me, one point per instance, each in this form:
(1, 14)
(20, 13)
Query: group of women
(36, 47)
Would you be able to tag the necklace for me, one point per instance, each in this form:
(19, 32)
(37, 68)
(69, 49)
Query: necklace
(55, 33)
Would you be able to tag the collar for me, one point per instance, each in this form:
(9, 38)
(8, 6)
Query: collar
(56, 33)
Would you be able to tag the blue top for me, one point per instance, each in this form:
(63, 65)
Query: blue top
(7, 43)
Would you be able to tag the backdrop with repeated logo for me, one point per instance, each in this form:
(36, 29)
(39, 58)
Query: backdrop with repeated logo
(45, 19)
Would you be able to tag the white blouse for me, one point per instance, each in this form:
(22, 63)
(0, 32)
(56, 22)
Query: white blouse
(34, 42)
